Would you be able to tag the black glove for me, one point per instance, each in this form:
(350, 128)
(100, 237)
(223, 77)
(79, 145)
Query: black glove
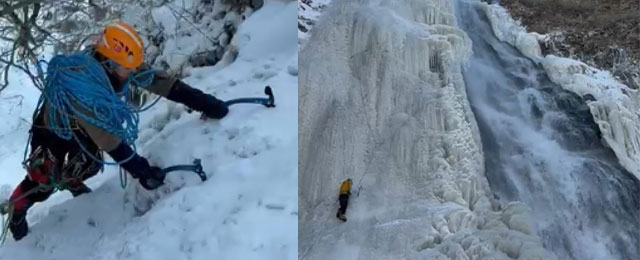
(18, 225)
(149, 177)
(153, 179)
(195, 99)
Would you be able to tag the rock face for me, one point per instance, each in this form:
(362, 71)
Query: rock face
(601, 33)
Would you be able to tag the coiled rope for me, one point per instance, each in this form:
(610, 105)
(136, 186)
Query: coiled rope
(77, 86)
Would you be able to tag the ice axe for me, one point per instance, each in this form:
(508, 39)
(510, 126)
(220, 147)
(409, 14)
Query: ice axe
(267, 102)
(195, 167)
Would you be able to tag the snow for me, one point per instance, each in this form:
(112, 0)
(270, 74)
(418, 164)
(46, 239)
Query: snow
(509, 30)
(614, 106)
(383, 102)
(17, 102)
(246, 210)
(309, 13)
(255, 40)
(312, 9)
(188, 28)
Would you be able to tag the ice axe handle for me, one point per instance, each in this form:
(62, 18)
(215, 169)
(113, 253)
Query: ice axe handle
(267, 102)
(196, 167)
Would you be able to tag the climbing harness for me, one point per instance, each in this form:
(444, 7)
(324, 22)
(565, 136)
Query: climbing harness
(78, 166)
(40, 165)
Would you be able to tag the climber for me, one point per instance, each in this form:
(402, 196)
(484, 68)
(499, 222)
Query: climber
(70, 161)
(343, 198)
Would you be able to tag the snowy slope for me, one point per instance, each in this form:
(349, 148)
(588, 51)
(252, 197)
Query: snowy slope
(614, 106)
(17, 102)
(246, 210)
(383, 102)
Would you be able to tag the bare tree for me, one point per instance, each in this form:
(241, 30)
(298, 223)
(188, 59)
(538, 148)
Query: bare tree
(27, 27)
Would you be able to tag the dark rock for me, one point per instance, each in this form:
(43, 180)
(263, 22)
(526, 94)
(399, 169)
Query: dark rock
(164, 65)
(302, 28)
(224, 39)
(601, 33)
(588, 98)
(157, 39)
(229, 27)
(256, 4)
(239, 4)
(219, 52)
(206, 58)
(293, 70)
(219, 15)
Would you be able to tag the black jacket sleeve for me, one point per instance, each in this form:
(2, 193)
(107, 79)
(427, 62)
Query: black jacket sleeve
(197, 100)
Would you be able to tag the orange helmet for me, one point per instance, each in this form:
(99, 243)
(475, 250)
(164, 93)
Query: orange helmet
(122, 44)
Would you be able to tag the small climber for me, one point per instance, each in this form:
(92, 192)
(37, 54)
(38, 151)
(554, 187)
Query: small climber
(71, 161)
(343, 198)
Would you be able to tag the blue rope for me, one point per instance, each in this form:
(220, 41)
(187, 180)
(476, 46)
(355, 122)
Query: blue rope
(143, 80)
(77, 86)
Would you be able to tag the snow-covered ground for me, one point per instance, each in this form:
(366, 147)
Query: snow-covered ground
(383, 102)
(614, 106)
(247, 209)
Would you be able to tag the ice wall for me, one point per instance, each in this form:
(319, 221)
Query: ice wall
(382, 101)
(614, 106)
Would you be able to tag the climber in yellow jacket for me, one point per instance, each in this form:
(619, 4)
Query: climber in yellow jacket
(343, 198)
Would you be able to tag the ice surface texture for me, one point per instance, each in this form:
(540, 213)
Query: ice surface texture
(383, 102)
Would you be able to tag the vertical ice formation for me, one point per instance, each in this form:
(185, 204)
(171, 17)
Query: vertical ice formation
(511, 31)
(383, 102)
(613, 105)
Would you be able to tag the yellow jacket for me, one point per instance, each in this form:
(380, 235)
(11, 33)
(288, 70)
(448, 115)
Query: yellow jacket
(345, 188)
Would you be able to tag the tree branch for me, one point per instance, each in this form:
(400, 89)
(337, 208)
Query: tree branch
(7, 8)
